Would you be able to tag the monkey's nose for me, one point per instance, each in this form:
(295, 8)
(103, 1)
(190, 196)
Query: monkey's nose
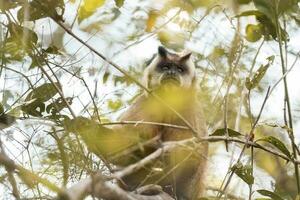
(171, 73)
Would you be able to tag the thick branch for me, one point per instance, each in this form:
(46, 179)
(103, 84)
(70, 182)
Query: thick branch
(98, 186)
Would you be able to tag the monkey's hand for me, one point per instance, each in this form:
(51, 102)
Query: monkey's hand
(120, 146)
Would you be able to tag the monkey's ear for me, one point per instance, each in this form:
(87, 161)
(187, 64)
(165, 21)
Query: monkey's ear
(186, 57)
(162, 52)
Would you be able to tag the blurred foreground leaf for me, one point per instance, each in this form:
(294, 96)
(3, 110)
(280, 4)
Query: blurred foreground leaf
(119, 3)
(8, 4)
(88, 7)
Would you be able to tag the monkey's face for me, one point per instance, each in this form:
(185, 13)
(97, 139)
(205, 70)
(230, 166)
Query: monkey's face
(169, 69)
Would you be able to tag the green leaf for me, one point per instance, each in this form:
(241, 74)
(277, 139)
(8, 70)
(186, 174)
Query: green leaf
(278, 144)
(244, 172)
(222, 132)
(43, 92)
(251, 83)
(119, 3)
(105, 77)
(253, 32)
(115, 105)
(270, 194)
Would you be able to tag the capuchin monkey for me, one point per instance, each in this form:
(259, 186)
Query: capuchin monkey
(181, 172)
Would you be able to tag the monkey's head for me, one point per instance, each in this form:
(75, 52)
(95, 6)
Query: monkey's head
(170, 69)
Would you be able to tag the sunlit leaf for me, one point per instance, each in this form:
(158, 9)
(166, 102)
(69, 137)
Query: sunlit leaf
(222, 132)
(270, 194)
(253, 32)
(115, 105)
(173, 40)
(278, 144)
(197, 3)
(152, 17)
(104, 141)
(244, 172)
(217, 53)
(88, 7)
(28, 178)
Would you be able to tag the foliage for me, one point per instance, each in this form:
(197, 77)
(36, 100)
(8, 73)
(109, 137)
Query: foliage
(56, 87)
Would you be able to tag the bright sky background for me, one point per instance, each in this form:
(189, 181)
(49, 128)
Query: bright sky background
(212, 31)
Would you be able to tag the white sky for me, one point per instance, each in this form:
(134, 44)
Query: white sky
(212, 32)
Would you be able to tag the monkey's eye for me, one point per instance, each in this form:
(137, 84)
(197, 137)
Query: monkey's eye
(165, 68)
(180, 69)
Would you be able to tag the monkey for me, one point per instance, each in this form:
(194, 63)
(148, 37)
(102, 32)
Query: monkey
(181, 172)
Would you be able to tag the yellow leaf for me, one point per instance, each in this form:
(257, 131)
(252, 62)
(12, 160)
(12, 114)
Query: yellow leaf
(153, 15)
(92, 5)
(88, 7)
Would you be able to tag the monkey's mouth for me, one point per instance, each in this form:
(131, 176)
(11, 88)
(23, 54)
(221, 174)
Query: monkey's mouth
(170, 80)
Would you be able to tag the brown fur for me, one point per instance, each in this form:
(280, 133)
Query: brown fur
(181, 171)
(188, 178)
